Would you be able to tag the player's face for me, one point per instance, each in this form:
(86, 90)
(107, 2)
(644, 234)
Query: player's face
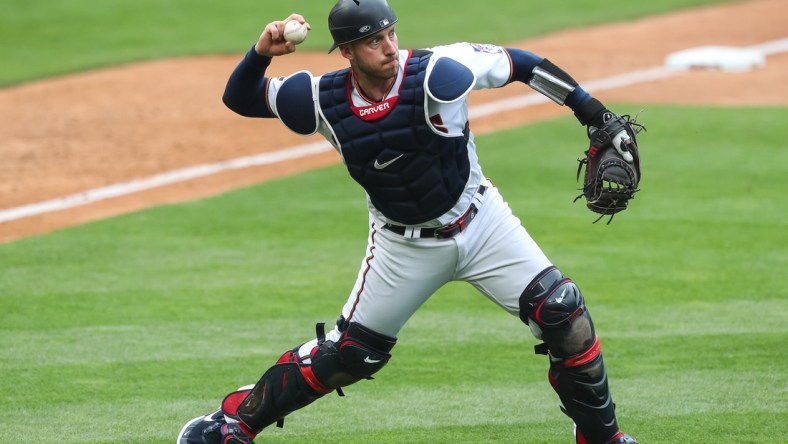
(376, 56)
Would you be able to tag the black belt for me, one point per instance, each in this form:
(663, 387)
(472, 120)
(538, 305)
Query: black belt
(445, 231)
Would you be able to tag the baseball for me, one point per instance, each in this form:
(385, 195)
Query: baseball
(295, 32)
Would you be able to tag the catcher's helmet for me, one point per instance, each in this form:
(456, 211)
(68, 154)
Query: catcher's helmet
(351, 20)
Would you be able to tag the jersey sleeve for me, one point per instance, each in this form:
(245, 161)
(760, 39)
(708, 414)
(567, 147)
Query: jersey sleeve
(490, 64)
(495, 66)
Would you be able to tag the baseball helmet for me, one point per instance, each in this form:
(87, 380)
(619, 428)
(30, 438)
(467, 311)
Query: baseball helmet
(351, 20)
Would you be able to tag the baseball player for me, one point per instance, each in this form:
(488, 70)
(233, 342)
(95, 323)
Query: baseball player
(399, 119)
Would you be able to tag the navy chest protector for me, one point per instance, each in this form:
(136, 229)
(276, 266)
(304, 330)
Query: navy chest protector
(411, 173)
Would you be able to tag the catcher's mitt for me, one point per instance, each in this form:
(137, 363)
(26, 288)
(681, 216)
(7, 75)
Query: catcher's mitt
(612, 165)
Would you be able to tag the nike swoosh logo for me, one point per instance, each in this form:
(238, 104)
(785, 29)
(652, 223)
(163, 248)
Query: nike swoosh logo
(380, 166)
(372, 361)
(560, 299)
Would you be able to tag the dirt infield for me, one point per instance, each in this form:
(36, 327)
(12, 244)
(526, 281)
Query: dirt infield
(81, 132)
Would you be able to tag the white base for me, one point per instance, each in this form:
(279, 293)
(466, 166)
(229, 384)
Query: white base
(724, 58)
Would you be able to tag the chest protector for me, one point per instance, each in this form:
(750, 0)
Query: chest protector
(411, 173)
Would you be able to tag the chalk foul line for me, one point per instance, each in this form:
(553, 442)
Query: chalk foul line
(298, 151)
(159, 180)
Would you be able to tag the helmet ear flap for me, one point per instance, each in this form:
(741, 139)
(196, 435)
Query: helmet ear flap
(351, 20)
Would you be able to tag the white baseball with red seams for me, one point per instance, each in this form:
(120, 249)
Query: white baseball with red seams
(295, 32)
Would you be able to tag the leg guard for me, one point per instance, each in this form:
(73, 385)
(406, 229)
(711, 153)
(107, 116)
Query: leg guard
(554, 308)
(296, 380)
(281, 391)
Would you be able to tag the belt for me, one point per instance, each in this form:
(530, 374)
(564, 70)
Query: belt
(445, 231)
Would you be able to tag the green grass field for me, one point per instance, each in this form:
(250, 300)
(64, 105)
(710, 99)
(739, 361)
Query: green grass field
(44, 38)
(121, 330)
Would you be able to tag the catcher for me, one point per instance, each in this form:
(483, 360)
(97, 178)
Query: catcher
(399, 120)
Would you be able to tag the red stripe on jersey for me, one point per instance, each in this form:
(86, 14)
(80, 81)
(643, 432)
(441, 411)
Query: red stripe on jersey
(364, 278)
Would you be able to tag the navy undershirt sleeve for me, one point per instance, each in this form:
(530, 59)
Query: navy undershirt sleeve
(523, 63)
(245, 92)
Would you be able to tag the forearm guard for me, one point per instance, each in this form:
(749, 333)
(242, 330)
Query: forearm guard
(552, 81)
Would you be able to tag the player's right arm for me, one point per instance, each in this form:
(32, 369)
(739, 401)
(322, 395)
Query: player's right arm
(247, 89)
(246, 92)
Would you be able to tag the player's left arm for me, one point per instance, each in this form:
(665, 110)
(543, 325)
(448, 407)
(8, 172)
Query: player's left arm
(619, 166)
(496, 66)
(553, 82)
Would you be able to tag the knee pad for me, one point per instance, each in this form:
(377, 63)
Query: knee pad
(553, 307)
(358, 354)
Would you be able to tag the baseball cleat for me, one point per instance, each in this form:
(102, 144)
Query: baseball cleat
(192, 432)
(619, 438)
(623, 438)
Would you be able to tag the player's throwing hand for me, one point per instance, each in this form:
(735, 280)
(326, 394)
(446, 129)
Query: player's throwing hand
(272, 41)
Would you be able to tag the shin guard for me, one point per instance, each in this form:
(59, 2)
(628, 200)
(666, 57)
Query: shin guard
(311, 371)
(281, 390)
(581, 384)
(554, 308)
